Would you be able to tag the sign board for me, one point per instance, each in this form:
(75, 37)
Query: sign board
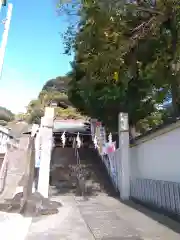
(123, 122)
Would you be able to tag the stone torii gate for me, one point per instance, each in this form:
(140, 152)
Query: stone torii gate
(44, 142)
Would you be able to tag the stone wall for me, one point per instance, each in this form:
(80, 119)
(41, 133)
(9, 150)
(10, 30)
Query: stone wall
(155, 164)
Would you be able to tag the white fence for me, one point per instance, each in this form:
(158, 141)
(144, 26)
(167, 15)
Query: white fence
(111, 160)
(113, 165)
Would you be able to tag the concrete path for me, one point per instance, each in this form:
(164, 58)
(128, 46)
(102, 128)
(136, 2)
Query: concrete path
(13, 226)
(98, 218)
(66, 225)
(108, 219)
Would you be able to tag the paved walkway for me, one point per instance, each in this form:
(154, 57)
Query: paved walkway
(98, 218)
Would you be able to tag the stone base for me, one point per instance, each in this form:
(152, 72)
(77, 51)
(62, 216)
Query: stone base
(36, 205)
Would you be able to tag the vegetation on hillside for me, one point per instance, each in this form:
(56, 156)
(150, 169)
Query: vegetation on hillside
(54, 90)
(127, 58)
(59, 84)
(5, 116)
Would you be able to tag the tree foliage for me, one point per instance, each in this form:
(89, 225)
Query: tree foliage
(6, 115)
(127, 58)
(59, 84)
(53, 91)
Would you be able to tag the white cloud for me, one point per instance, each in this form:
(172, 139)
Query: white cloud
(16, 90)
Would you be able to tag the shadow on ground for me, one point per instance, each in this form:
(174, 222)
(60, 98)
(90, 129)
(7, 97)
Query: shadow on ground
(156, 214)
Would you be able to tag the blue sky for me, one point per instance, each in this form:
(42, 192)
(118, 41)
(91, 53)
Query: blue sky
(34, 52)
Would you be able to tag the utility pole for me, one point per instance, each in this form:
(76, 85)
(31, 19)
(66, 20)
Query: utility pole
(5, 36)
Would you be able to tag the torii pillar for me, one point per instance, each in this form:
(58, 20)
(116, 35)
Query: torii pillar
(46, 132)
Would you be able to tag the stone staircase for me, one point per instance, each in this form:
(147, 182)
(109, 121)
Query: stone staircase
(94, 173)
(99, 180)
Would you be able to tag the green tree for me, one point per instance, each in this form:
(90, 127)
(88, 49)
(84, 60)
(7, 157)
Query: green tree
(126, 59)
(53, 91)
(59, 84)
